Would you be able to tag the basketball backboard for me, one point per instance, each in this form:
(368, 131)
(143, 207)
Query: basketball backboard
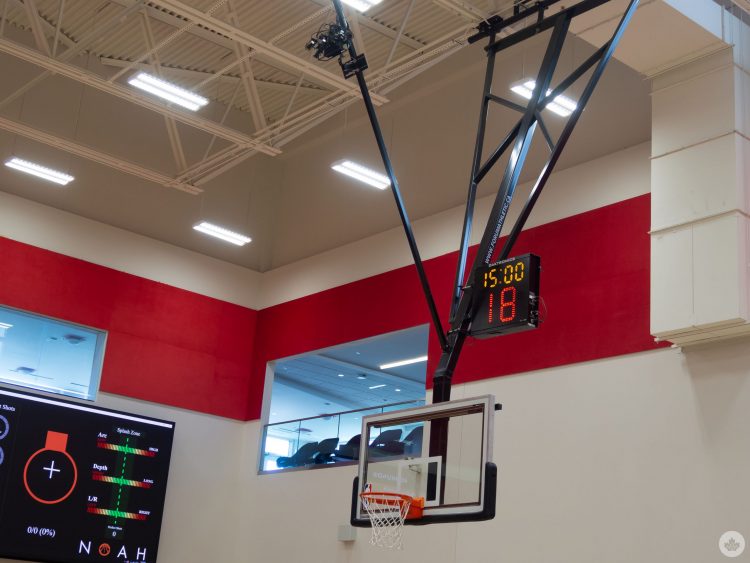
(441, 453)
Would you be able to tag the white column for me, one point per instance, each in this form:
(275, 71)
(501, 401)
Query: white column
(700, 194)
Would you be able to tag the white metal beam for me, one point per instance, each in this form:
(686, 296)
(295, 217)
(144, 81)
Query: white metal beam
(91, 79)
(304, 119)
(36, 27)
(167, 40)
(206, 77)
(463, 9)
(95, 156)
(264, 49)
(400, 32)
(248, 77)
(75, 49)
(172, 133)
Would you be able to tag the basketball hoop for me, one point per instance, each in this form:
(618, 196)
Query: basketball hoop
(387, 512)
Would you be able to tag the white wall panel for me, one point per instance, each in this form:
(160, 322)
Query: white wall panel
(691, 107)
(604, 181)
(718, 261)
(672, 281)
(695, 183)
(72, 235)
(636, 458)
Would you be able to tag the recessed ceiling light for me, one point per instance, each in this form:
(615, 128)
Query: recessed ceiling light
(5, 326)
(341, 375)
(398, 390)
(361, 5)
(168, 91)
(562, 105)
(362, 173)
(40, 171)
(361, 376)
(378, 386)
(222, 233)
(404, 362)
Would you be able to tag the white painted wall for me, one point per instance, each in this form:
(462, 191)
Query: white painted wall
(73, 235)
(638, 458)
(604, 181)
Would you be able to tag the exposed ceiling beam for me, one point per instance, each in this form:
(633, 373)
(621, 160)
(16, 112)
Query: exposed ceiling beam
(36, 27)
(77, 48)
(304, 119)
(248, 77)
(463, 9)
(371, 24)
(95, 156)
(264, 49)
(67, 41)
(91, 79)
(201, 75)
(173, 134)
(400, 32)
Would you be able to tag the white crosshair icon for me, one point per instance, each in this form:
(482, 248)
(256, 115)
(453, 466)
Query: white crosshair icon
(51, 469)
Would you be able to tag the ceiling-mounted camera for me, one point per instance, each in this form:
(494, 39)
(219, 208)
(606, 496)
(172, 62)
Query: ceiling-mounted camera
(332, 41)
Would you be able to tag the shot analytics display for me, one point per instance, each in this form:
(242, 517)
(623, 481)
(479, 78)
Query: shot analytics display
(80, 483)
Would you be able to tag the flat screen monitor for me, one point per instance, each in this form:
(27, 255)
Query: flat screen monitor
(78, 482)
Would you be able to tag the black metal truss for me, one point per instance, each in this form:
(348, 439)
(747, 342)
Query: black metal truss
(464, 304)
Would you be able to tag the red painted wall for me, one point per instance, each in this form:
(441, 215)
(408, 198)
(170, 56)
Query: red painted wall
(165, 344)
(594, 282)
(179, 348)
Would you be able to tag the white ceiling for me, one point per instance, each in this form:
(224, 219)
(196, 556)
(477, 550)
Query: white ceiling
(292, 204)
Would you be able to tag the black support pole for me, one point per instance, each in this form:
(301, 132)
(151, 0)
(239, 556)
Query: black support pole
(471, 197)
(463, 302)
(523, 138)
(394, 186)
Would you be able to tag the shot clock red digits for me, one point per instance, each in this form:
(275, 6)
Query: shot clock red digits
(508, 297)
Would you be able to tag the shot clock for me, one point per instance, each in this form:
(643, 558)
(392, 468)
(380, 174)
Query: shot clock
(508, 297)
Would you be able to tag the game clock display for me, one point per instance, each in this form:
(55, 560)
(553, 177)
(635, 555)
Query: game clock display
(80, 483)
(508, 296)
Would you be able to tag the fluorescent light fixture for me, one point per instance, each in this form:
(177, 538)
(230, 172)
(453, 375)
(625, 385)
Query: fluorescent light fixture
(361, 173)
(5, 326)
(222, 233)
(168, 91)
(398, 390)
(341, 375)
(404, 362)
(562, 105)
(40, 171)
(361, 5)
(378, 386)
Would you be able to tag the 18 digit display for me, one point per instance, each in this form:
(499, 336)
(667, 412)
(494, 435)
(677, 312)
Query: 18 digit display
(508, 296)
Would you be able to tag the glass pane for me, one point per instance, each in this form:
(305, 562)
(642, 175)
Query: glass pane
(281, 441)
(50, 355)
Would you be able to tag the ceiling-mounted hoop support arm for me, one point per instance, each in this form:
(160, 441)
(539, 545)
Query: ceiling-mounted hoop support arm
(356, 66)
(463, 307)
